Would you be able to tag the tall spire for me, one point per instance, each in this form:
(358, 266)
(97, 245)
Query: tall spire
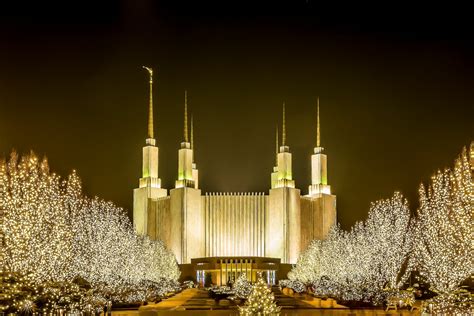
(186, 116)
(192, 134)
(276, 148)
(283, 136)
(318, 137)
(150, 110)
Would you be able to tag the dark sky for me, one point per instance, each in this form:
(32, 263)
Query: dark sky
(395, 86)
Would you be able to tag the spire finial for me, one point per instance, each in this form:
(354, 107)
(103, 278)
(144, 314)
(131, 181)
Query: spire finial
(150, 110)
(283, 136)
(318, 136)
(192, 133)
(186, 116)
(276, 144)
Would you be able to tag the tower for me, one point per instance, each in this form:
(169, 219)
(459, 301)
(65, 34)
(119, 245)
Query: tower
(282, 235)
(284, 162)
(187, 218)
(274, 176)
(319, 175)
(185, 154)
(149, 184)
(319, 206)
(195, 171)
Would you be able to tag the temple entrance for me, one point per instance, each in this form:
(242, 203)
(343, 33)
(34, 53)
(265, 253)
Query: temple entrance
(226, 270)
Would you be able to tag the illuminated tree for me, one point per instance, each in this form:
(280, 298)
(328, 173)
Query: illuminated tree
(16, 290)
(260, 302)
(359, 264)
(296, 285)
(388, 240)
(369, 259)
(242, 287)
(109, 254)
(55, 234)
(444, 252)
(35, 223)
(102, 237)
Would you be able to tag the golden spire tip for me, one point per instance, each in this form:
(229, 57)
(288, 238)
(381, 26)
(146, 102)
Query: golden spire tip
(150, 109)
(186, 116)
(283, 136)
(192, 133)
(318, 136)
(276, 144)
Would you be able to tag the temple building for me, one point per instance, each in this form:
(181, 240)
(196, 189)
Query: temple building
(218, 236)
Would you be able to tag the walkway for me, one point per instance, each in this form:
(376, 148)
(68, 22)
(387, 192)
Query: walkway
(196, 302)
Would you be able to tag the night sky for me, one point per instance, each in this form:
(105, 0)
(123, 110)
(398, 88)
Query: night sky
(396, 88)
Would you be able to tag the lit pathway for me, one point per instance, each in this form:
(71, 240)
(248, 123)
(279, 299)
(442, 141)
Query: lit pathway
(190, 302)
(173, 302)
(196, 302)
(124, 312)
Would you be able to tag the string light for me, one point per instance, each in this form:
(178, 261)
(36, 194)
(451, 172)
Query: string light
(376, 256)
(58, 238)
(242, 287)
(444, 227)
(261, 301)
(295, 285)
(361, 264)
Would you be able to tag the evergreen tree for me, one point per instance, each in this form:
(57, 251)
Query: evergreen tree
(242, 286)
(260, 302)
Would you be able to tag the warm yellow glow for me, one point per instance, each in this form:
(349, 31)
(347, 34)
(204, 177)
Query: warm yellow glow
(54, 234)
(235, 224)
(358, 265)
(150, 109)
(261, 301)
(370, 259)
(445, 228)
